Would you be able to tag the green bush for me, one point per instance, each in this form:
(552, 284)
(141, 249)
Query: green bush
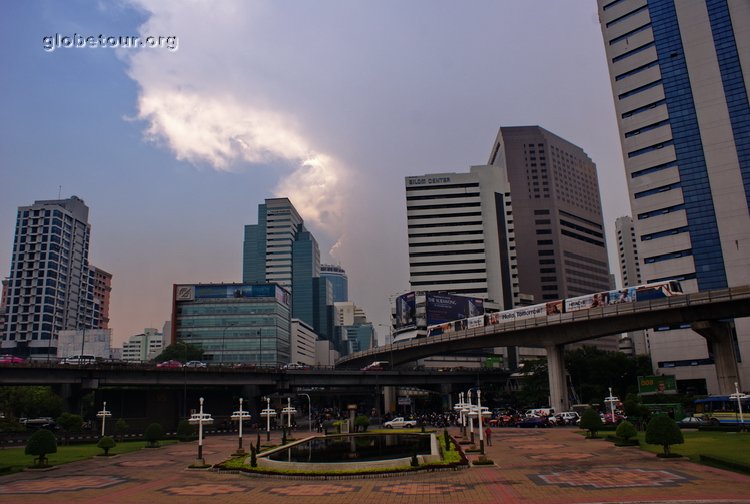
(664, 431)
(361, 422)
(40, 444)
(592, 422)
(185, 431)
(121, 428)
(626, 430)
(253, 456)
(447, 439)
(70, 423)
(154, 433)
(105, 443)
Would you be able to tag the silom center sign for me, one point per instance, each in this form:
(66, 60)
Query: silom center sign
(415, 181)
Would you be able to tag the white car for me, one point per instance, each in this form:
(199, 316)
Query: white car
(400, 423)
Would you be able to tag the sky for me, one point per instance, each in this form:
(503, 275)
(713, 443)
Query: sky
(329, 103)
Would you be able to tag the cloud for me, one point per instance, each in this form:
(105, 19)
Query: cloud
(206, 117)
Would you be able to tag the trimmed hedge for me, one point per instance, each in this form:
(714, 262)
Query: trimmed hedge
(724, 463)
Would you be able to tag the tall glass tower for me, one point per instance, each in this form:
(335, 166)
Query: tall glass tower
(339, 281)
(679, 72)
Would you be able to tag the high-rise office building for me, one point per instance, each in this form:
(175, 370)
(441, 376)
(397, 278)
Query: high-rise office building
(461, 237)
(280, 250)
(51, 286)
(635, 342)
(339, 281)
(557, 212)
(679, 72)
(102, 290)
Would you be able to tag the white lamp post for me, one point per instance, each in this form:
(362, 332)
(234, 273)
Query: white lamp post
(239, 416)
(288, 411)
(459, 407)
(103, 414)
(611, 400)
(479, 416)
(200, 419)
(309, 409)
(470, 413)
(268, 413)
(739, 396)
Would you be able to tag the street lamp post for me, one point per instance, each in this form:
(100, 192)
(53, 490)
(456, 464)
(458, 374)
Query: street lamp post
(479, 416)
(471, 420)
(739, 396)
(309, 409)
(268, 413)
(288, 411)
(103, 414)
(200, 418)
(240, 416)
(612, 400)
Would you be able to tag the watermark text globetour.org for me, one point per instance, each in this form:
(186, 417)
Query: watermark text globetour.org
(58, 41)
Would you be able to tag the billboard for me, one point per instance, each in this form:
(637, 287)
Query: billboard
(406, 315)
(657, 384)
(448, 307)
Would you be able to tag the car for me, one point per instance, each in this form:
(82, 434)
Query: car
(376, 366)
(11, 359)
(295, 365)
(533, 422)
(170, 364)
(693, 422)
(400, 423)
(567, 418)
(195, 364)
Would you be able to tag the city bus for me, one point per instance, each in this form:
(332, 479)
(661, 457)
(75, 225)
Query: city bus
(723, 410)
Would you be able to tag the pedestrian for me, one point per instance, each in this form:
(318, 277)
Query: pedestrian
(488, 435)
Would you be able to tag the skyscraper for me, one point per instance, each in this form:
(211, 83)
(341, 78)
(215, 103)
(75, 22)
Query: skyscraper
(627, 246)
(460, 228)
(557, 212)
(51, 285)
(339, 281)
(679, 76)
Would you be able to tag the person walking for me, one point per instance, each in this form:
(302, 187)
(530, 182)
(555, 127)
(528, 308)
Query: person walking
(488, 435)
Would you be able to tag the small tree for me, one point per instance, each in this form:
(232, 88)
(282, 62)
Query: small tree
(447, 439)
(592, 422)
(414, 459)
(105, 443)
(185, 431)
(70, 423)
(154, 433)
(40, 444)
(257, 441)
(121, 428)
(664, 431)
(361, 422)
(625, 431)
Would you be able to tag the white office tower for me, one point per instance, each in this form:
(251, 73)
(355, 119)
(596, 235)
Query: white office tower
(634, 343)
(460, 228)
(143, 347)
(679, 72)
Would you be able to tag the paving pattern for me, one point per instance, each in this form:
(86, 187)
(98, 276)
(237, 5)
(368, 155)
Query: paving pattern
(546, 466)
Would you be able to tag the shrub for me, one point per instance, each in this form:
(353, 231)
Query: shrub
(121, 428)
(70, 423)
(253, 456)
(414, 459)
(664, 431)
(40, 444)
(626, 430)
(361, 422)
(154, 433)
(592, 422)
(185, 431)
(447, 439)
(105, 443)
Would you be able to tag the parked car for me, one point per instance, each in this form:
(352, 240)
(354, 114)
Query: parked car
(170, 364)
(195, 364)
(39, 423)
(11, 359)
(567, 418)
(693, 422)
(533, 422)
(400, 423)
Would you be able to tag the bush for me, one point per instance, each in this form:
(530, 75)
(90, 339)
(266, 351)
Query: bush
(154, 433)
(592, 422)
(626, 430)
(447, 439)
(185, 431)
(664, 431)
(361, 422)
(70, 423)
(414, 459)
(40, 444)
(253, 457)
(105, 443)
(121, 428)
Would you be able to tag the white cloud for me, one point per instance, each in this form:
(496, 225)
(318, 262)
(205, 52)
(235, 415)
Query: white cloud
(204, 116)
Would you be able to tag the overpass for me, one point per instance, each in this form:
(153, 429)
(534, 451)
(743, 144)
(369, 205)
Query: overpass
(706, 312)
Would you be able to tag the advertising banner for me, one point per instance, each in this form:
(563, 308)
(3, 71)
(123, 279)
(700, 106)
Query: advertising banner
(447, 307)
(406, 316)
(658, 384)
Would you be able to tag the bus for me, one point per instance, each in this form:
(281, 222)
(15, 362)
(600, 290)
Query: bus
(723, 410)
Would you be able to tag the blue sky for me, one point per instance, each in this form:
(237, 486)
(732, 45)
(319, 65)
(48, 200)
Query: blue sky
(330, 103)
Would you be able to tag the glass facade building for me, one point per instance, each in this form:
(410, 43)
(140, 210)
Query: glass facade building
(235, 322)
(336, 275)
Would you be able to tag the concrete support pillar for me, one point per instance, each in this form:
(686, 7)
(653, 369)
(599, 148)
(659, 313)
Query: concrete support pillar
(720, 337)
(445, 396)
(556, 369)
(389, 399)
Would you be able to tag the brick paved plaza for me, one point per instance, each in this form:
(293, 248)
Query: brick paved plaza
(536, 466)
